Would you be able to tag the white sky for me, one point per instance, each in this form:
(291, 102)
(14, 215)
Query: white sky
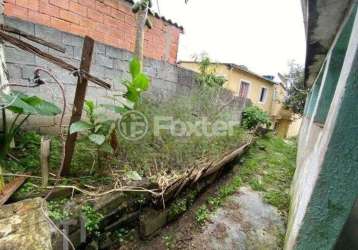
(261, 34)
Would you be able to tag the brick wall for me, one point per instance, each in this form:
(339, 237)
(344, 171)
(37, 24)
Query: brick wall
(107, 21)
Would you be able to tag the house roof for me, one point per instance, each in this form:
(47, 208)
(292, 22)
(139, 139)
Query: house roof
(237, 67)
(155, 14)
(322, 19)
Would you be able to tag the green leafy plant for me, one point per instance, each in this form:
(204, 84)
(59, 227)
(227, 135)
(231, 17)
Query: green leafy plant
(207, 76)
(97, 128)
(178, 207)
(22, 106)
(92, 217)
(202, 215)
(57, 211)
(254, 116)
(139, 83)
(100, 128)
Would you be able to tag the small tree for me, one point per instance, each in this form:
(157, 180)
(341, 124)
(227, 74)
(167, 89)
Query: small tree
(141, 8)
(253, 117)
(297, 93)
(207, 76)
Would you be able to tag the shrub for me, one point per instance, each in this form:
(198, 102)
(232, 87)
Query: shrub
(253, 116)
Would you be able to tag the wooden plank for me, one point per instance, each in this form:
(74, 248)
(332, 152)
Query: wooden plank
(78, 103)
(32, 38)
(48, 57)
(10, 188)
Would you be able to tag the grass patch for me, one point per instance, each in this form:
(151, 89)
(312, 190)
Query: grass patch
(268, 167)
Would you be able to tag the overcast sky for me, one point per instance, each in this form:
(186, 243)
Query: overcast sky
(261, 34)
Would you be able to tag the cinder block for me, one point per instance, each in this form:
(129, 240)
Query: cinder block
(14, 70)
(28, 72)
(69, 39)
(126, 55)
(103, 61)
(111, 73)
(121, 65)
(99, 48)
(49, 34)
(69, 53)
(97, 70)
(17, 56)
(77, 52)
(168, 72)
(151, 71)
(19, 24)
(113, 52)
(37, 45)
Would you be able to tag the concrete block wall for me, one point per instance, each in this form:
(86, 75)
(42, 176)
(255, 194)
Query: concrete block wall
(110, 22)
(109, 63)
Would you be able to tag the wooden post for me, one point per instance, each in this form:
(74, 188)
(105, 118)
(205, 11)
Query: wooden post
(78, 103)
(44, 157)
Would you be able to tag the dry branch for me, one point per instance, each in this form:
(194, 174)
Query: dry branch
(32, 38)
(48, 57)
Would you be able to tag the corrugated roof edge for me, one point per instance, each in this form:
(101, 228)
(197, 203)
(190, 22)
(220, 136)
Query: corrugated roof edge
(155, 14)
(233, 65)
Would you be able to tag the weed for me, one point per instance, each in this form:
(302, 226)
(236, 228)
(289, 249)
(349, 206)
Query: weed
(92, 217)
(121, 234)
(230, 188)
(256, 185)
(169, 241)
(225, 191)
(57, 210)
(202, 214)
(178, 207)
(214, 202)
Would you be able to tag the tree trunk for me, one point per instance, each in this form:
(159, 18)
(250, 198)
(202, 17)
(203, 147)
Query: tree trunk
(139, 43)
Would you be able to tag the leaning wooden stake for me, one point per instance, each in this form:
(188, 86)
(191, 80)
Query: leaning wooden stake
(44, 156)
(32, 38)
(52, 59)
(80, 94)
